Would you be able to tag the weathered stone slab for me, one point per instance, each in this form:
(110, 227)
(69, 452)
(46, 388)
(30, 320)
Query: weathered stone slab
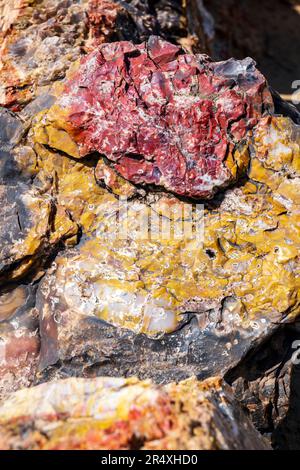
(178, 304)
(126, 414)
(185, 121)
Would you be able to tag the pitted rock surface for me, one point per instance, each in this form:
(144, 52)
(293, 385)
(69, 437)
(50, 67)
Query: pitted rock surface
(125, 414)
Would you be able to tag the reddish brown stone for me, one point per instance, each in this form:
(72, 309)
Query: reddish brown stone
(181, 116)
(41, 40)
(126, 414)
(19, 338)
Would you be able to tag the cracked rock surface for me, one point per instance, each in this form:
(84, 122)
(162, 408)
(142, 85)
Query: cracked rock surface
(31, 224)
(184, 120)
(40, 40)
(149, 228)
(20, 342)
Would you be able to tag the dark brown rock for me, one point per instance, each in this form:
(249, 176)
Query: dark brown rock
(122, 413)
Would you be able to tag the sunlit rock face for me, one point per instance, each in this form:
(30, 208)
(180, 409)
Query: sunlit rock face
(185, 121)
(126, 414)
(19, 338)
(107, 257)
(38, 44)
(187, 302)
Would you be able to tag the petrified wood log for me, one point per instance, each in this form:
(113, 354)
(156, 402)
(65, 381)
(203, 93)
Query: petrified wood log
(126, 414)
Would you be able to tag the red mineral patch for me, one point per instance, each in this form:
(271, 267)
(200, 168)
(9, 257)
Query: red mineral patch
(163, 117)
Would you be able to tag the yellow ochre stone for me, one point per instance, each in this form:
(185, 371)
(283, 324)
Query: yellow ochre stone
(250, 246)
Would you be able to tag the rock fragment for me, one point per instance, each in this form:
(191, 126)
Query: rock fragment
(126, 414)
(187, 305)
(31, 224)
(41, 40)
(184, 120)
(266, 382)
(19, 338)
(137, 296)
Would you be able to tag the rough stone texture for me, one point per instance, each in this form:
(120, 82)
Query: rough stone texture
(126, 414)
(267, 384)
(217, 299)
(40, 40)
(121, 302)
(184, 120)
(267, 31)
(31, 224)
(201, 26)
(19, 338)
(268, 381)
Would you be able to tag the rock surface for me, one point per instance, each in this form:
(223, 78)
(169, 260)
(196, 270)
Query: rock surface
(159, 96)
(40, 40)
(267, 31)
(19, 338)
(111, 266)
(194, 304)
(126, 414)
(31, 224)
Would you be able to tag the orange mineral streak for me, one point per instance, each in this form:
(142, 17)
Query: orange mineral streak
(115, 414)
(249, 251)
(40, 41)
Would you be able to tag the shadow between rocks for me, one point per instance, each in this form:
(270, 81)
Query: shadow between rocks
(268, 385)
